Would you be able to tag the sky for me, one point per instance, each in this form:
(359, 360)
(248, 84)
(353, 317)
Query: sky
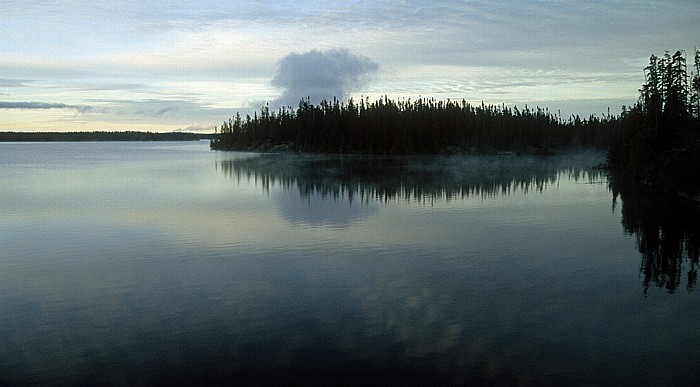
(188, 66)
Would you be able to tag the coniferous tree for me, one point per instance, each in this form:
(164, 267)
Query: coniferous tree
(695, 86)
(424, 126)
(675, 96)
(660, 139)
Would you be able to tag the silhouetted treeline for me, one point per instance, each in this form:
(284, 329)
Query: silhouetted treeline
(98, 136)
(659, 143)
(667, 232)
(424, 126)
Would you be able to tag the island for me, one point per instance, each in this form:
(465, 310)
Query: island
(655, 142)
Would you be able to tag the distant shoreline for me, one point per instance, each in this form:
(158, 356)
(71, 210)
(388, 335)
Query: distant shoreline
(100, 136)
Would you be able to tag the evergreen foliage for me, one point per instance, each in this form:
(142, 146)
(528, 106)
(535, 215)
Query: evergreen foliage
(659, 143)
(656, 141)
(423, 126)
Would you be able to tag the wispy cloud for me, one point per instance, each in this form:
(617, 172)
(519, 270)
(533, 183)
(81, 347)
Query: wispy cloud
(198, 127)
(41, 105)
(113, 86)
(153, 107)
(7, 82)
(170, 114)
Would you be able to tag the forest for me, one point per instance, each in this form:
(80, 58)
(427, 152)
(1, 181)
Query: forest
(423, 126)
(98, 136)
(656, 141)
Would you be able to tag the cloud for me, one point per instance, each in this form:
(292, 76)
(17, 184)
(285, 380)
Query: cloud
(197, 127)
(114, 87)
(41, 105)
(6, 82)
(152, 107)
(165, 110)
(321, 75)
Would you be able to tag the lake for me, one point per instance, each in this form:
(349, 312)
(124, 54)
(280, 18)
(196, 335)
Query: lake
(163, 262)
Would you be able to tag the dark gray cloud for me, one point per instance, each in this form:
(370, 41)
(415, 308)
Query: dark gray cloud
(321, 75)
(41, 105)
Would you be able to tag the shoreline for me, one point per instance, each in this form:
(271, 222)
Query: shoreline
(100, 136)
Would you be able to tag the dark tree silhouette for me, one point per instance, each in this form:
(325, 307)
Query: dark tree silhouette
(667, 232)
(423, 126)
(659, 143)
(695, 86)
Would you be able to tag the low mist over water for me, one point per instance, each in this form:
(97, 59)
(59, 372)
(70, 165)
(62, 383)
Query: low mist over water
(156, 263)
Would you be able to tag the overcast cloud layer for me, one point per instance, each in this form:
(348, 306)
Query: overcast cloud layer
(170, 65)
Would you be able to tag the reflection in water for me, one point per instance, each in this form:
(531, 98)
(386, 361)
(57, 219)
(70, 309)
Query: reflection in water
(667, 232)
(315, 211)
(422, 179)
(147, 266)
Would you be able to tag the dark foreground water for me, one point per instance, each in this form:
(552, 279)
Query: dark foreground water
(162, 263)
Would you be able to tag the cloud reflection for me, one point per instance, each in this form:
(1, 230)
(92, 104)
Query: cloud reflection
(322, 211)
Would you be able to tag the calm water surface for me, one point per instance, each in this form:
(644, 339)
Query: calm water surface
(154, 263)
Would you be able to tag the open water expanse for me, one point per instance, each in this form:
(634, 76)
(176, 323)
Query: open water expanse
(157, 263)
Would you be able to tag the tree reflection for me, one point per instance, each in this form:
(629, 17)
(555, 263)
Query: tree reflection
(667, 232)
(423, 179)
